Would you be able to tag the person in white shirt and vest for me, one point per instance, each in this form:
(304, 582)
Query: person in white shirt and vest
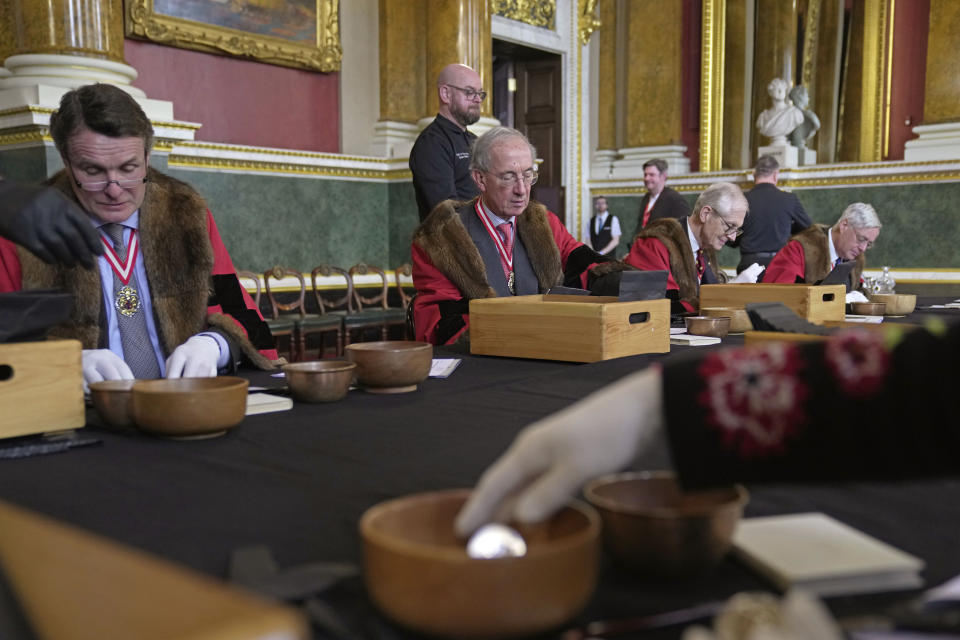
(604, 229)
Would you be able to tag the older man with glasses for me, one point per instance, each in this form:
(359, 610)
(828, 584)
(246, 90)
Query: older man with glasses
(814, 252)
(499, 244)
(687, 248)
(440, 158)
(163, 300)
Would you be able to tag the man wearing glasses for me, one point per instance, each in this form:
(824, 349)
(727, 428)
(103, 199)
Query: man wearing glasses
(440, 158)
(814, 252)
(687, 248)
(499, 244)
(163, 299)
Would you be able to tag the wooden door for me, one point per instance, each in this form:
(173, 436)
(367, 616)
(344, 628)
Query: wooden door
(538, 112)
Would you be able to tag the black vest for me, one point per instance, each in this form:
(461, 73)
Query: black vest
(525, 280)
(599, 240)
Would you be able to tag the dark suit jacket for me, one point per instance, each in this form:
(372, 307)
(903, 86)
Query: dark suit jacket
(670, 204)
(774, 216)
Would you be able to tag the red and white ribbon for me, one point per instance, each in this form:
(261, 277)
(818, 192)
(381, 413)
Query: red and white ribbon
(125, 270)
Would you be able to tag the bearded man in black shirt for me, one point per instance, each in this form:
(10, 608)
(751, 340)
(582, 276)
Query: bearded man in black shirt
(440, 158)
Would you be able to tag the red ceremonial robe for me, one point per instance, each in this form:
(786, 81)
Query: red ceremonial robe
(449, 270)
(193, 283)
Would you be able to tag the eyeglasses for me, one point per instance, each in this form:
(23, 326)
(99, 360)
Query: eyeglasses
(470, 92)
(728, 228)
(866, 243)
(510, 179)
(96, 187)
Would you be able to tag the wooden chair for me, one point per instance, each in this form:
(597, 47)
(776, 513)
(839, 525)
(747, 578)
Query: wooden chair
(304, 324)
(353, 320)
(280, 328)
(406, 296)
(374, 308)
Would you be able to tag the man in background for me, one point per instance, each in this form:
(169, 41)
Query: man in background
(660, 200)
(604, 229)
(773, 217)
(440, 158)
(687, 249)
(816, 251)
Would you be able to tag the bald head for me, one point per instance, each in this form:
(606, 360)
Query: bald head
(460, 93)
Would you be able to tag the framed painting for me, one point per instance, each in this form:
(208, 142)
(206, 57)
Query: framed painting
(303, 34)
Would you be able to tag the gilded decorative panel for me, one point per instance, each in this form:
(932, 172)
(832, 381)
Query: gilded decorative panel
(304, 34)
(539, 13)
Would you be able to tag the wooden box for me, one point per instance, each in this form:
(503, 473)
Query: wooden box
(815, 303)
(571, 328)
(41, 387)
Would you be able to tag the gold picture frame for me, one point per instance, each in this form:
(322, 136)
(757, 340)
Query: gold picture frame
(273, 31)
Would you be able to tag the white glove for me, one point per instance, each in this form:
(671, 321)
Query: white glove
(195, 358)
(748, 275)
(103, 364)
(856, 296)
(552, 458)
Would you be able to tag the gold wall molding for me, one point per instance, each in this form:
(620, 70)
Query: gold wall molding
(177, 161)
(537, 13)
(589, 21)
(142, 21)
(711, 84)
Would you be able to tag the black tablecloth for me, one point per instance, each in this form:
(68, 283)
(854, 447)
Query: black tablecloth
(298, 482)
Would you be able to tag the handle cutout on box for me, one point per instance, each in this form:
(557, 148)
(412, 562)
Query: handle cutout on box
(828, 297)
(639, 317)
(6, 372)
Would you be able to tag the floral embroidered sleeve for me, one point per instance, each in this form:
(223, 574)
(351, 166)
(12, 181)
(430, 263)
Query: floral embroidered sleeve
(861, 404)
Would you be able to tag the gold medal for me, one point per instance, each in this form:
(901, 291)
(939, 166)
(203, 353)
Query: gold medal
(511, 285)
(127, 301)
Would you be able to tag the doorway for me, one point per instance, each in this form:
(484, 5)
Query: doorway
(527, 95)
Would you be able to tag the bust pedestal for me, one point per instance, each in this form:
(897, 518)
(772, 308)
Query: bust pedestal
(785, 154)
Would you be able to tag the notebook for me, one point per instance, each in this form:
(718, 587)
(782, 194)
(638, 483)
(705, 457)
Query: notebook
(690, 340)
(823, 555)
(267, 403)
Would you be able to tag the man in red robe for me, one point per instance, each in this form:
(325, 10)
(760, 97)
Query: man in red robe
(814, 252)
(687, 249)
(167, 264)
(499, 244)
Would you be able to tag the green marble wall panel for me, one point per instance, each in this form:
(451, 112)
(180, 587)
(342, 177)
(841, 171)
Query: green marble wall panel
(920, 221)
(404, 218)
(29, 164)
(300, 223)
(921, 224)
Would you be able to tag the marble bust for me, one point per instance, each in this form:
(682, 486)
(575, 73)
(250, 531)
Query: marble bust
(811, 123)
(782, 117)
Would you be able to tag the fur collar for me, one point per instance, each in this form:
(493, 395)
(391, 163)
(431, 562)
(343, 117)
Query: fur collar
(177, 256)
(683, 267)
(445, 239)
(816, 255)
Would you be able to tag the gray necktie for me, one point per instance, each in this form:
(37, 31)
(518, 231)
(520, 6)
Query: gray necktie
(131, 317)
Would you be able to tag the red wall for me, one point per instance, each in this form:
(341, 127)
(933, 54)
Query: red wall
(239, 101)
(908, 76)
(690, 118)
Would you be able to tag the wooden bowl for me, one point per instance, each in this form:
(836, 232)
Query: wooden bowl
(704, 326)
(392, 366)
(868, 308)
(189, 407)
(319, 380)
(898, 304)
(111, 399)
(654, 527)
(419, 574)
(739, 318)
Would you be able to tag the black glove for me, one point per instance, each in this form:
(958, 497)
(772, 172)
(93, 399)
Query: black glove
(42, 220)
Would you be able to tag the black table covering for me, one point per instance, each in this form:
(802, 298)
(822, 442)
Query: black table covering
(298, 482)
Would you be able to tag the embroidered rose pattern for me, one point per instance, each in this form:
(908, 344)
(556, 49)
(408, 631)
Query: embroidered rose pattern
(858, 361)
(754, 397)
